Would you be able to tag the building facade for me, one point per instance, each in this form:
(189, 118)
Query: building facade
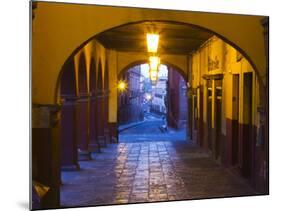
(226, 110)
(130, 102)
(159, 93)
(177, 100)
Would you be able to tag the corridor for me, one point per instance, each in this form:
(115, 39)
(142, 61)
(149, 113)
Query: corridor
(149, 171)
(153, 105)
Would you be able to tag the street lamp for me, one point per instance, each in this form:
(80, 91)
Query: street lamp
(152, 42)
(154, 62)
(122, 86)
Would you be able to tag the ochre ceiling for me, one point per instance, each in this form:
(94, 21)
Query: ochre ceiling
(174, 38)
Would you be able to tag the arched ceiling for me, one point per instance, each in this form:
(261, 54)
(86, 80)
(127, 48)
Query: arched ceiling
(60, 30)
(174, 38)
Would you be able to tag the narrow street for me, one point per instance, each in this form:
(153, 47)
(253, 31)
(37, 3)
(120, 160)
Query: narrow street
(147, 172)
(149, 129)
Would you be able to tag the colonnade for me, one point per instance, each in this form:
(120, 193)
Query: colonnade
(84, 111)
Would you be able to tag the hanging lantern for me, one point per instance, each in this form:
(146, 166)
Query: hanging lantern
(154, 62)
(152, 42)
(153, 75)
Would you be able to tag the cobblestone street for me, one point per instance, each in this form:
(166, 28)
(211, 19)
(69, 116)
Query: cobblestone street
(146, 172)
(150, 130)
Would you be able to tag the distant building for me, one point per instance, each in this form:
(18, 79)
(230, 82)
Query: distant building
(177, 108)
(159, 92)
(129, 103)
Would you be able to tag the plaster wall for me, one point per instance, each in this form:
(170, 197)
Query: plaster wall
(228, 64)
(59, 30)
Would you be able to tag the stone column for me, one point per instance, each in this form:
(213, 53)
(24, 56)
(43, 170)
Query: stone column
(69, 156)
(94, 145)
(82, 127)
(106, 125)
(45, 145)
(100, 118)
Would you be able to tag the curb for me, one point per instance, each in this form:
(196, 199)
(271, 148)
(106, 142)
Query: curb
(131, 126)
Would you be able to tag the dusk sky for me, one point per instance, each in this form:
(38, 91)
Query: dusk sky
(163, 70)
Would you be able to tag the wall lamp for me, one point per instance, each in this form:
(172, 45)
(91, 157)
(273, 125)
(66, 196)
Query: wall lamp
(122, 86)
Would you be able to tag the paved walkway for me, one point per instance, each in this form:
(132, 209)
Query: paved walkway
(148, 130)
(146, 172)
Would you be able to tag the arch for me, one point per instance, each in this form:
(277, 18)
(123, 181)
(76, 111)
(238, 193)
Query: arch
(99, 77)
(67, 80)
(180, 23)
(93, 75)
(68, 94)
(139, 62)
(239, 35)
(106, 77)
(82, 75)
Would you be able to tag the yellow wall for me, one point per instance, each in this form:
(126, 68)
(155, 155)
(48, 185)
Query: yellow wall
(112, 113)
(58, 29)
(214, 49)
(96, 50)
(92, 50)
(125, 59)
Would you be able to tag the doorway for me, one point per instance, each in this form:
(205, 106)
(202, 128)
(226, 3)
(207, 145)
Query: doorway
(235, 119)
(247, 125)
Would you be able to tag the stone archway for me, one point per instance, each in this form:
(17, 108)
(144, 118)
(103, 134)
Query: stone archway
(181, 71)
(57, 52)
(176, 79)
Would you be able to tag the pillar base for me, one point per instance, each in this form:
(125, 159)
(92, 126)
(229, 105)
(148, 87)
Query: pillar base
(73, 167)
(84, 155)
(102, 141)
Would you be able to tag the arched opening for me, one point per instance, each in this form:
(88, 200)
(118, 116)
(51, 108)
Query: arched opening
(68, 95)
(164, 62)
(198, 27)
(149, 111)
(82, 109)
(191, 108)
(107, 132)
(212, 101)
(94, 143)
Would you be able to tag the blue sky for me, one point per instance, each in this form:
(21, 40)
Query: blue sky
(163, 70)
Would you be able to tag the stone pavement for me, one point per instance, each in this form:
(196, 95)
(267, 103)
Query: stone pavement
(146, 172)
(150, 130)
